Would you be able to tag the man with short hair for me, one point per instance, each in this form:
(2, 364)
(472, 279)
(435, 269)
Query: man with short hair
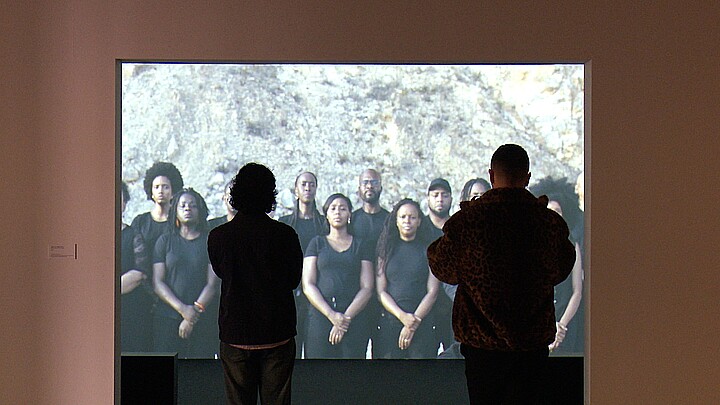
(439, 199)
(259, 261)
(366, 223)
(506, 251)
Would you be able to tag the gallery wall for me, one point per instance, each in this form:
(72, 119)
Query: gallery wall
(652, 151)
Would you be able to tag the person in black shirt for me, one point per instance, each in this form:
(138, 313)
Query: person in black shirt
(308, 223)
(406, 288)
(136, 295)
(338, 282)
(184, 280)
(161, 181)
(439, 199)
(259, 261)
(367, 223)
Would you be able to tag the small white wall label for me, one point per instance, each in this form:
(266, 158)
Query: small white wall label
(63, 251)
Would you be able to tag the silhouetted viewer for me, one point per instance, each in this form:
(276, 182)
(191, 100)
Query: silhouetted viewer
(506, 251)
(259, 261)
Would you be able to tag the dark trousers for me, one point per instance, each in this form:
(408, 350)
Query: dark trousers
(268, 371)
(495, 377)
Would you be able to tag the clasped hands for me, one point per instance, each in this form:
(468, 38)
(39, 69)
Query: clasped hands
(341, 324)
(410, 324)
(190, 316)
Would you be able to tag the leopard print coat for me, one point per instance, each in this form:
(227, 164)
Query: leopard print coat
(506, 251)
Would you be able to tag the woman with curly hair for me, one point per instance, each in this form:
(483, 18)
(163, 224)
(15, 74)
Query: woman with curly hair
(161, 181)
(184, 280)
(337, 281)
(406, 288)
(568, 295)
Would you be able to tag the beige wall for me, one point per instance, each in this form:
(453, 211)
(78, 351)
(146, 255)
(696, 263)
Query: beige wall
(653, 150)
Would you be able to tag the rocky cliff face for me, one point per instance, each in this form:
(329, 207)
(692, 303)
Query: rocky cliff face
(410, 122)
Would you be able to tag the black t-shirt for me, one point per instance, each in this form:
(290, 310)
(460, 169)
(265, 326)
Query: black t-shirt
(407, 274)
(186, 265)
(306, 229)
(434, 232)
(368, 226)
(338, 273)
(150, 230)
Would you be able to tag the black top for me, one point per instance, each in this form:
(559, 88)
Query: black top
(338, 273)
(306, 228)
(434, 232)
(368, 226)
(407, 274)
(150, 230)
(186, 265)
(259, 261)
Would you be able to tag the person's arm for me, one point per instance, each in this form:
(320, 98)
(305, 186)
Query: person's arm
(442, 254)
(208, 292)
(574, 302)
(407, 333)
(363, 295)
(130, 280)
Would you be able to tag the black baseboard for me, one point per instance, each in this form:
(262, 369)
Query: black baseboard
(200, 381)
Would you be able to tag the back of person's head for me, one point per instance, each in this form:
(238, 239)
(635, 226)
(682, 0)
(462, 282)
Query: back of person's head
(511, 163)
(164, 169)
(253, 190)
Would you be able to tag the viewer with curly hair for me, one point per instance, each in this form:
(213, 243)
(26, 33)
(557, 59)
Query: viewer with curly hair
(406, 288)
(259, 263)
(184, 280)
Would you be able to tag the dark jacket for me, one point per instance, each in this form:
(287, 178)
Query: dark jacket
(259, 261)
(505, 251)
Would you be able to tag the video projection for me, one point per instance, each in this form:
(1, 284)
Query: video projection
(365, 136)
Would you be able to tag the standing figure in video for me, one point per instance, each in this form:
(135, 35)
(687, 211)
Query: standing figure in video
(307, 221)
(406, 288)
(259, 261)
(568, 295)
(472, 189)
(229, 210)
(184, 280)
(338, 282)
(439, 199)
(162, 179)
(367, 223)
(136, 293)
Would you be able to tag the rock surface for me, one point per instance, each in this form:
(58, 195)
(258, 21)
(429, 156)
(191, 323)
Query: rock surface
(411, 122)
